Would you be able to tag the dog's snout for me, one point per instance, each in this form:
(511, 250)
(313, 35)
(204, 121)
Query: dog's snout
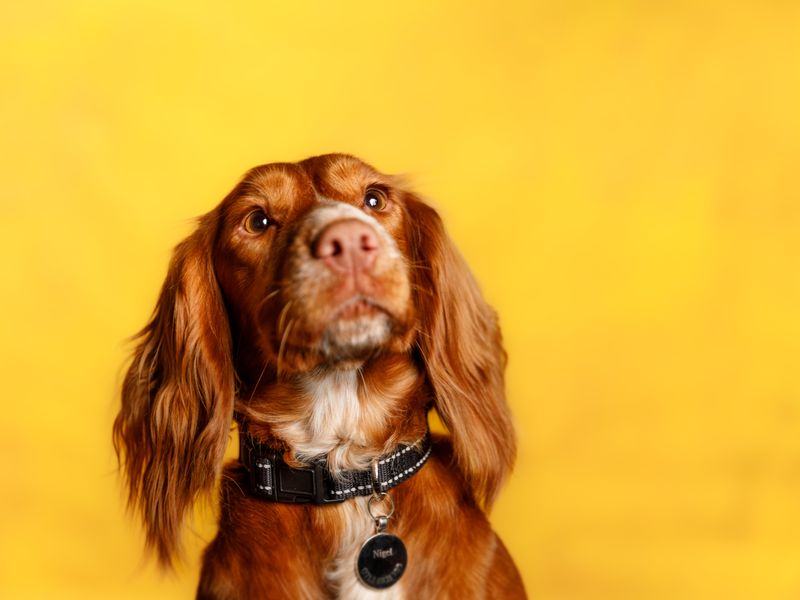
(347, 246)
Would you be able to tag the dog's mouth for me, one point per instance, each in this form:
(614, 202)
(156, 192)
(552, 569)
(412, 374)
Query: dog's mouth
(356, 308)
(357, 328)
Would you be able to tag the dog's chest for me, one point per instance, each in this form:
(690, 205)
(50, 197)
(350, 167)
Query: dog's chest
(357, 527)
(331, 420)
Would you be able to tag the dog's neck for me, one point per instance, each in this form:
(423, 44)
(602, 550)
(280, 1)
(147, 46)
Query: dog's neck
(349, 416)
(333, 421)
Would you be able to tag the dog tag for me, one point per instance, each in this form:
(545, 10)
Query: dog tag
(382, 561)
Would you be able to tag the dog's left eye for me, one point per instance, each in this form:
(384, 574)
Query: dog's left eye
(256, 222)
(375, 199)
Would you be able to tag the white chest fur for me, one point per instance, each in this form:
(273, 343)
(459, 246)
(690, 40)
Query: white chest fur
(331, 421)
(357, 528)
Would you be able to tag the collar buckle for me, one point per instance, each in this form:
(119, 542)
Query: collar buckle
(273, 479)
(302, 485)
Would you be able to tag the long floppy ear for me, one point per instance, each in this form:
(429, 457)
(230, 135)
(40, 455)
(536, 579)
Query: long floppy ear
(461, 347)
(177, 396)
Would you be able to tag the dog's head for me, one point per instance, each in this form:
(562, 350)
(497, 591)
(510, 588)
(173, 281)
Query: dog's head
(325, 263)
(308, 257)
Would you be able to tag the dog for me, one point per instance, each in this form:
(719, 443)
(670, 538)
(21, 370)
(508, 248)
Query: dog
(322, 308)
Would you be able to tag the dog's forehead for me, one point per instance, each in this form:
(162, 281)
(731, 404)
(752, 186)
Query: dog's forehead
(283, 183)
(341, 176)
(289, 189)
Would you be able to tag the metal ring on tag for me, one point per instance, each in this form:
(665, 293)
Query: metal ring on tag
(380, 498)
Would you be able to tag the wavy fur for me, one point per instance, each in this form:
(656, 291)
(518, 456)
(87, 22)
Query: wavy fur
(177, 396)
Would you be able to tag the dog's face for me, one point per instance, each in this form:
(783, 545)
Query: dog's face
(312, 259)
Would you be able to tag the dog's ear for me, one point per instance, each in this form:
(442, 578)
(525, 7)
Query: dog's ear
(460, 345)
(177, 396)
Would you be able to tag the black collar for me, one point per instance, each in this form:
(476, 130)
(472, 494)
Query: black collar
(272, 479)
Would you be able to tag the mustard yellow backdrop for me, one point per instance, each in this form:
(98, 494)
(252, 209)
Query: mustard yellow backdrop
(622, 176)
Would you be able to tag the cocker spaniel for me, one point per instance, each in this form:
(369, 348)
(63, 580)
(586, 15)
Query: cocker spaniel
(322, 307)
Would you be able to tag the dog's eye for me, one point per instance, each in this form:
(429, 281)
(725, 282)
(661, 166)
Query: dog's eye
(256, 222)
(375, 199)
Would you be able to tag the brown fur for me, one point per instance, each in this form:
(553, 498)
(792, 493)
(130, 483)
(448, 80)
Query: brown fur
(239, 332)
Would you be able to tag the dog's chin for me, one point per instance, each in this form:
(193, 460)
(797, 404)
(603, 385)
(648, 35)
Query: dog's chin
(355, 337)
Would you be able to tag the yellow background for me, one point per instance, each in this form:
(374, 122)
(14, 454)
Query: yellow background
(622, 176)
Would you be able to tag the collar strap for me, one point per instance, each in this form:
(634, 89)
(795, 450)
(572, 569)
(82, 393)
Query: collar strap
(272, 479)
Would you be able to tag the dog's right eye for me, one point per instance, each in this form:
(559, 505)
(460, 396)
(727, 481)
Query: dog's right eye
(375, 199)
(256, 222)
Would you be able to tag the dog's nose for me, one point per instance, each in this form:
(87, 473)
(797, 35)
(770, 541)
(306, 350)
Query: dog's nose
(347, 246)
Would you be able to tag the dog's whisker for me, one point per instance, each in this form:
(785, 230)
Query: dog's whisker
(265, 300)
(282, 316)
(423, 333)
(283, 346)
(258, 381)
(420, 267)
(424, 290)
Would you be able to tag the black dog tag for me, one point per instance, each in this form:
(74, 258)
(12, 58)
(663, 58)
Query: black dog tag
(382, 561)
